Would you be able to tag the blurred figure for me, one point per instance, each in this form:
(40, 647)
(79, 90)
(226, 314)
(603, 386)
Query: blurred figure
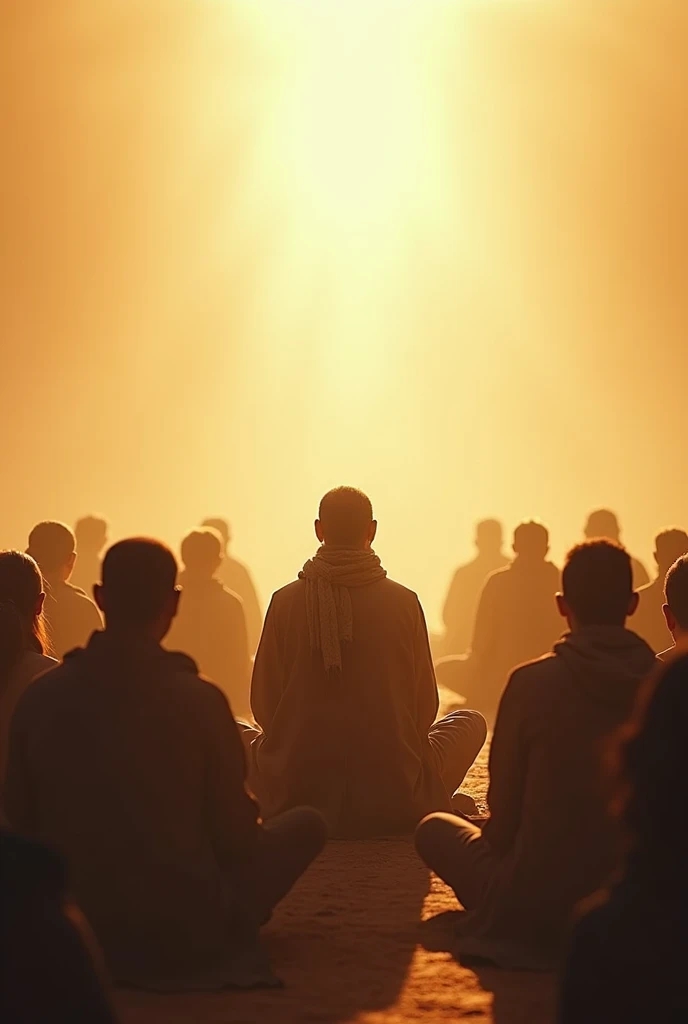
(649, 621)
(49, 970)
(517, 617)
(237, 577)
(676, 607)
(91, 540)
(344, 691)
(467, 584)
(70, 615)
(210, 625)
(23, 640)
(626, 964)
(605, 524)
(549, 841)
(133, 768)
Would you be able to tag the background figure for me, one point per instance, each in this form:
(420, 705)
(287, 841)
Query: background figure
(627, 959)
(603, 523)
(237, 577)
(649, 621)
(23, 641)
(71, 616)
(466, 587)
(517, 617)
(91, 539)
(676, 607)
(210, 625)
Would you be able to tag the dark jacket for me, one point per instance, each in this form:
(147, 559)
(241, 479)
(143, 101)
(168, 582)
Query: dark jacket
(132, 766)
(549, 825)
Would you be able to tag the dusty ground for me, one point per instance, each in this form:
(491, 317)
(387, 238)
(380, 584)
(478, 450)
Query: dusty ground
(360, 939)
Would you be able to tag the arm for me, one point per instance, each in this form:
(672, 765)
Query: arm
(237, 655)
(483, 630)
(451, 610)
(232, 813)
(508, 767)
(427, 697)
(267, 680)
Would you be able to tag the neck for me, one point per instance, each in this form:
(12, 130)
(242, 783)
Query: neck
(134, 633)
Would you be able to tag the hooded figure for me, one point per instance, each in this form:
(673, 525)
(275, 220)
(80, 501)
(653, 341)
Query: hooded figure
(549, 841)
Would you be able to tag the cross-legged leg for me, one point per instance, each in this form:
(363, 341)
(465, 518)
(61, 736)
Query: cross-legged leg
(456, 851)
(456, 741)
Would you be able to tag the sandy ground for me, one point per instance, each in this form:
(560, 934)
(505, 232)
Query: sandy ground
(365, 937)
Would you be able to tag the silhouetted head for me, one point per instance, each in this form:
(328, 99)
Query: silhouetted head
(597, 584)
(676, 597)
(654, 764)
(22, 626)
(531, 541)
(670, 545)
(603, 523)
(489, 537)
(345, 519)
(91, 535)
(223, 528)
(53, 546)
(139, 591)
(202, 552)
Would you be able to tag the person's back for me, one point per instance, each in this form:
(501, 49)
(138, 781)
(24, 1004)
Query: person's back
(517, 618)
(210, 625)
(235, 576)
(466, 587)
(132, 766)
(344, 690)
(603, 524)
(71, 616)
(649, 621)
(91, 535)
(549, 841)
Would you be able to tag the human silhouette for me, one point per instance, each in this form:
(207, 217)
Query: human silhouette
(49, 969)
(549, 841)
(466, 586)
(237, 577)
(91, 540)
(517, 617)
(210, 625)
(626, 963)
(132, 767)
(602, 522)
(24, 644)
(344, 690)
(649, 621)
(676, 607)
(70, 615)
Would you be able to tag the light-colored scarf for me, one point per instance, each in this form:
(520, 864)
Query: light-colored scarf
(329, 576)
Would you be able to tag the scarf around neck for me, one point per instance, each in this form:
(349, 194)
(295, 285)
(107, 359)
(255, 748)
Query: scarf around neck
(329, 577)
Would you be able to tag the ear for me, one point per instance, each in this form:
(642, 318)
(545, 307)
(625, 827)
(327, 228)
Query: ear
(633, 604)
(99, 596)
(670, 620)
(562, 607)
(72, 560)
(174, 601)
(39, 605)
(319, 531)
(373, 531)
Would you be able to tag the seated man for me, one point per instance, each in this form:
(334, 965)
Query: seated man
(210, 625)
(132, 767)
(549, 841)
(467, 585)
(70, 615)
(344, 691)
(237, 577)
(604, 524)
(91, 539)
(649, 621)
(676, 607)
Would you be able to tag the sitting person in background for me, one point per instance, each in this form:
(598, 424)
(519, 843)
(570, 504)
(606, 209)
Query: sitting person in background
(49, 969)
(237, 578)
(133, 768)
(516, 620)
(604, 524)
(676, 607)
(549, 841)
(627, 960)
(23, 641)
(71, 616)
(649, 621)
(91, 540)
(210, 625)
(344, 691)
(467, 585)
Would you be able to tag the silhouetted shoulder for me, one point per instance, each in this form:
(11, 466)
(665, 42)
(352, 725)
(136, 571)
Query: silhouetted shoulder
(534, 676)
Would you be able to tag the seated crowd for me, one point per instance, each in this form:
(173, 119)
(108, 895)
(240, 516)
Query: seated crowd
(182, 827)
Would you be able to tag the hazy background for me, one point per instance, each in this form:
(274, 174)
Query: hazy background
(251, 250)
